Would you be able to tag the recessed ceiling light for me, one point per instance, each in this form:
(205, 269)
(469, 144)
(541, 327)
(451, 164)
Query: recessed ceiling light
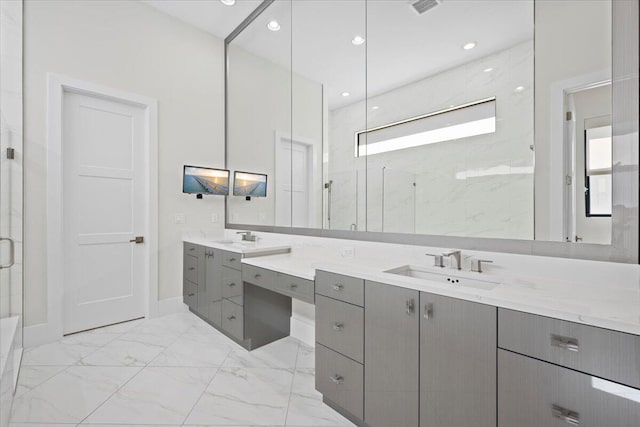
(469, 46)
(228, 2)
(488, 70)
(375, 107)
(357, 40)
(345, 94)
(273, 25)
(519, 89)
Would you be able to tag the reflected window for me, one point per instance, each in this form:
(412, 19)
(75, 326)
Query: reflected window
(477, 118)
(598, 171)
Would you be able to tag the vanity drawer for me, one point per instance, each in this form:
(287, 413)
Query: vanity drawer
(296, 287)
(191, 268)
(232, 260)
(259, 276)
(189, 293)
(533, 393)
(340, 326)
(595, 351)
(233, 319)
(190, 248)
(340, 379)
(232, 284)
(344, 288)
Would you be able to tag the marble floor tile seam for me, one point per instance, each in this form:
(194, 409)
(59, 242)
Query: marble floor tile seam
(293, 379)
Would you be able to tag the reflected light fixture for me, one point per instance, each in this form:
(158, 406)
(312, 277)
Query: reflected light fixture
(488, 70)
(228, 2)
(345, 94)
(357, 40)
(273, 25)
(469, 46)
(519, 89)
(375, 107)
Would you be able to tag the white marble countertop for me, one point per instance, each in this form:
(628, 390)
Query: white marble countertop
(246, 248)
(615, 308)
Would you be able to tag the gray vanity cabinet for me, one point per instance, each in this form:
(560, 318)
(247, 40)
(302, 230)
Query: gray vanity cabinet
(534, 393)
(457, 362)
(391, 356)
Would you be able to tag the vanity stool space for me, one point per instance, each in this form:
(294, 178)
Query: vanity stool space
(388, 355)
(249, 304)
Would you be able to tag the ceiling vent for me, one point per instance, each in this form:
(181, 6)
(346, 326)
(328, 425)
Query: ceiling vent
(421, 6)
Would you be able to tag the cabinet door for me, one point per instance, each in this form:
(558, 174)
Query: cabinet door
(213, 279)
(391, 371)
(458, 342)
(533, 393)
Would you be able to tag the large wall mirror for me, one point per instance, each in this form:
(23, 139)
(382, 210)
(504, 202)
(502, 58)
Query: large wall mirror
(501, 122)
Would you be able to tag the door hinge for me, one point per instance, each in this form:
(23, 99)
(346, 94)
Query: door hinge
(569, 116)
(568, 180)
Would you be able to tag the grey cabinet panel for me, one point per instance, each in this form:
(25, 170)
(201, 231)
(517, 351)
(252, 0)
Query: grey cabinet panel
(457, 362)
(602, 352)
(340, 380)
(232, 260)
(259, 276)
(213, 280)
(296, 287)
(391, 356)
(189, 294)
(191, 267)
(232, 284)
(215, 313)
(233, 319)
(533, 393)
(340, 326)
(190, 248)
(344, 288)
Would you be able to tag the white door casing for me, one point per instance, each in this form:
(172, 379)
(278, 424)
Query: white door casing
(101, 192)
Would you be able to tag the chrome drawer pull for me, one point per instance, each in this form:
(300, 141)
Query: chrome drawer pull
(410, 306)
(293, 286)
(337, 379)
(191, 295)
(428, 311)
(191, 268)
(192, 249)
(231, 317)
(338, 326)
(569, 417)
(565, 343)
(231, 259)
(257, 276)
(338, 287)
(231, 285)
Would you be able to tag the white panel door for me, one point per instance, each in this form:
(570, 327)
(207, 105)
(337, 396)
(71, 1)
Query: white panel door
(292, 184)
(103, 209)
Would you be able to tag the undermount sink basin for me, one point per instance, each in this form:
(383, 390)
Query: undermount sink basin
(235, 243)
(444, 277)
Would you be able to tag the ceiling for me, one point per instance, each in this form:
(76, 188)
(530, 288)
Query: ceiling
(209, 15)
(401, 45)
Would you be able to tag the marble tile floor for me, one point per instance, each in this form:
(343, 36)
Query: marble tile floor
(170, 371)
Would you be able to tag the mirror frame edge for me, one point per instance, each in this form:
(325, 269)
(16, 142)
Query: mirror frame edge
(625, 247)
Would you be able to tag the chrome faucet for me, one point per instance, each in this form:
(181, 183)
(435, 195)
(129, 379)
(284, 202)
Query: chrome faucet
(454, 256)
(248, 236)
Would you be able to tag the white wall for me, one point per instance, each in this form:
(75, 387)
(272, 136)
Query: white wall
(261, 96)
(450, 199)
(132, 47)
(572, 39)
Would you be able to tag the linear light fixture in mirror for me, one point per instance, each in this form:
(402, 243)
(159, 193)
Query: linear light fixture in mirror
(442, 107)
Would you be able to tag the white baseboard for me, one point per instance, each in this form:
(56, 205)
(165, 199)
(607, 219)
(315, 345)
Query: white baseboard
(171, 305)
(42, 333)
(303, 329)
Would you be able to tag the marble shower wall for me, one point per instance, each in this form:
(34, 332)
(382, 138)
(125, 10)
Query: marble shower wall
(480, 186)
(11, 169)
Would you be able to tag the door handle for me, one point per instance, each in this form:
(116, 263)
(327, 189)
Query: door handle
(428, 311)
(569, 417)
(565, 343)
(137, 240)
(336, 379)
(409, 306)
(12, 252)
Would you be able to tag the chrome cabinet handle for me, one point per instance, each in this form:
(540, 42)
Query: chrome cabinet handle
(410, 306)
(191, 268)
(428, 311)
(566, 343)
(293, 286)
(338, 326)
(257, 276)
(231, 285)
(338, 287)
(192, 249)
(569, 417)
(337, 379)
(191, 295)
(12, 252)
(231, 317)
